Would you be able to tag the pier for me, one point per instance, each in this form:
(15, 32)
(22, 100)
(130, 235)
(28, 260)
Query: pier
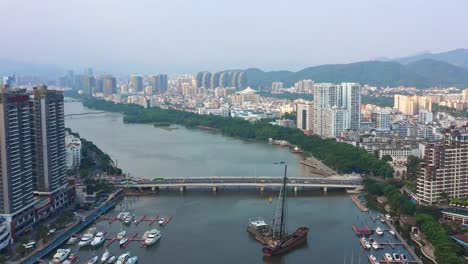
(359, 203)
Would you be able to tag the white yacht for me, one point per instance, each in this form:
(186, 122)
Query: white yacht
(132, 260)
(86, 239)
(98, 239)
(373, 259)
(93, 260)
(61, 254)
(105, 256)
(153, 236)
(161, 221)
(123, 215)
(379, 231)
(123, 241)
(112, 259)
(392, 232)
(73, 240)
(367, 245)
(375, 245)
(5, 236)
(388, 257)
(121, 234)
(123, 258)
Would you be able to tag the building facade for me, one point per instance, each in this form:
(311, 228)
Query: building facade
(444, 172)
(73, 151)
(305, 117)
(16, 154)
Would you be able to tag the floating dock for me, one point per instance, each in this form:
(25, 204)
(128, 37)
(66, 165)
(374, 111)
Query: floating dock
(362, 230)
(358, 203)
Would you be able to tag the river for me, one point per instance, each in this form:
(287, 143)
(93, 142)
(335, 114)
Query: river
(208, 227)
(146, 151)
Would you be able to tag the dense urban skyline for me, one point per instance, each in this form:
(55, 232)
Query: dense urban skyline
(184, 37)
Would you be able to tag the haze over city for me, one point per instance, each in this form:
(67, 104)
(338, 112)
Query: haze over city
(187, 36)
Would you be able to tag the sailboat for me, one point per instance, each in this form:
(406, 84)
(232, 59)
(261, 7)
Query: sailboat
(281, 242)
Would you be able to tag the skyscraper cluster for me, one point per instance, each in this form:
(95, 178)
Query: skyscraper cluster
(158, 83)
(412, 105)
(32, 151)
(223, 79)
(337, 107)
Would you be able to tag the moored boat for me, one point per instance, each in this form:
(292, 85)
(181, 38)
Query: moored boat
(260, 230)
(392, 232)
(93, 260)
(161, 221)
(123, 258)
(105, 256)
(61, 255)
(86, 239)
(121, 234)
(111, 260)
(375, 245)
(123, 241)
(388, 257)
(70, 259)
(379, 231)
(396, 257)
(132, 260)
(73, 240)
(153, 236)
(276, 247)
(98, 239)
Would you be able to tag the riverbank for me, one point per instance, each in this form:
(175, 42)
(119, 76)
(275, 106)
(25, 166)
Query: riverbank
(341, 157)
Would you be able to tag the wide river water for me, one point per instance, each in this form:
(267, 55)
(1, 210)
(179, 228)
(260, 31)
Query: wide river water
(207, 227)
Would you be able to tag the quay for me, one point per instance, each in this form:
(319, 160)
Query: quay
(410, 250)
(359, 203)
(109, 204)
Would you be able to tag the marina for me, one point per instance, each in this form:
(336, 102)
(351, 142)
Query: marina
(358, 203)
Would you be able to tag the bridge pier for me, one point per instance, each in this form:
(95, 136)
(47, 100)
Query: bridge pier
(182, 188)
(325, 189)
(215, 189)
(262, 189)
(155, 189)
(296, 189)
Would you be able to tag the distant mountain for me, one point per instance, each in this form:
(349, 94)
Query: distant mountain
(422, 74)
(458, 57)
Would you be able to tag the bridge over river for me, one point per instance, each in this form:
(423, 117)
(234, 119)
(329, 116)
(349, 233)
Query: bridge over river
(255, 182)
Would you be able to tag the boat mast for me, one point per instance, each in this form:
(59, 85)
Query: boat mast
(283, 199)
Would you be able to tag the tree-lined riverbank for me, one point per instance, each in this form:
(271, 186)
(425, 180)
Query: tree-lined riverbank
(338, 156)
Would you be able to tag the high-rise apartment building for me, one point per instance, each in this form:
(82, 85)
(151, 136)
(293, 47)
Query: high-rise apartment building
(444, 171)
(351, 93)
(158, 83)
(49, 162)
(305, 116)
(136, 83)
(109, 85)
(345, 96)
(304, 86)
(411, 105)
(88, 84)
(276, 86)
(16, 154)
(381, 120)
(336, 122)
(465, 95)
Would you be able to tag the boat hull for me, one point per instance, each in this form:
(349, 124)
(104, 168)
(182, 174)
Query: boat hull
(287, 243)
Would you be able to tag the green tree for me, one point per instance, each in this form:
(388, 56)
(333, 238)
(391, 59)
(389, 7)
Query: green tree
(42, 232)
(387, 158)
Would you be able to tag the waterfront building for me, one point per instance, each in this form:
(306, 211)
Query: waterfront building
(286, 123)
(49, 162)
(109, 85)
(276, 86)
(72, 151)
(16, 154)
(444, 171)
(136, 83)
(88, 84)
(381, 120)
(305, 116)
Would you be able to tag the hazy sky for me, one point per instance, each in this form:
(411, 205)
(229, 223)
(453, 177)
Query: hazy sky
(183, 35)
